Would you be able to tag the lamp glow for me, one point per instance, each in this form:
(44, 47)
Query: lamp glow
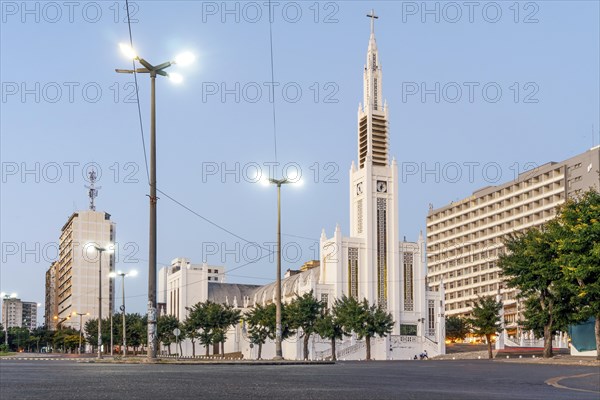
(185, 59)
(175, 77)
(127, 50)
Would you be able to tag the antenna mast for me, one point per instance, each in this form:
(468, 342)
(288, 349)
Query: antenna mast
(93, 191)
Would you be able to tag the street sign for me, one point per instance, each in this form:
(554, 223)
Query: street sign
(176, 332)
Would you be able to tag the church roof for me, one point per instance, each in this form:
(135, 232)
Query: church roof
(291, 286)
(225, 293)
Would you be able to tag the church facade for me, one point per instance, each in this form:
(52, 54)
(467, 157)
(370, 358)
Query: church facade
(370, 263)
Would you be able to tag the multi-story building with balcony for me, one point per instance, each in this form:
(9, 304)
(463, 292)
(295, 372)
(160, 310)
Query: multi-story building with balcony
(465, 238)
(74, 280)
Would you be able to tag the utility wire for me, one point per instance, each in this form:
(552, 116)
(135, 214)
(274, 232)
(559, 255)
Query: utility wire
(272, 79)
(137, 95)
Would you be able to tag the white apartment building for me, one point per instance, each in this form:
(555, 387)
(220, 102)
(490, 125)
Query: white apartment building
(465, 238)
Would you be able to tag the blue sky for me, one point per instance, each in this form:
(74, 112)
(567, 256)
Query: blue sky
(475, 97)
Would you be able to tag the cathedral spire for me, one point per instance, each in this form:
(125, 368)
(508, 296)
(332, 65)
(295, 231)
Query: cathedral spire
(373, 140)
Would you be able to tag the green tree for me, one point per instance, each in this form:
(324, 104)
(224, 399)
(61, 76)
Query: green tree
(531, 265)
(258, 326)
(137, 331)
(64, 339)
(191, 332)
(91, 333)
(166, 324)
(367, 321)
(456, 328)
(579, 253)
(485, 319)
(304, 311)
(328, 327)
(201, 318)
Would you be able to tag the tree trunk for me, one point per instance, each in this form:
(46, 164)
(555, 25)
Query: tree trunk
(548, 340)
(597, 331)
(180, 349)
(488, 339)
(368, 339)
(333, 356)
(193, 348)
(169, 349)
(306, 338)
(259, 351)
(223, 348)
(207, 349)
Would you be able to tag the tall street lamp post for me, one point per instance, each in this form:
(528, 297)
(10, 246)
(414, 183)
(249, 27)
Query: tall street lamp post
(153, 70)
(100, 251)
(278, 328)
(123, 275)
(80, 326)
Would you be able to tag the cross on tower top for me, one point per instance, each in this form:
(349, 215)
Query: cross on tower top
(373, 18)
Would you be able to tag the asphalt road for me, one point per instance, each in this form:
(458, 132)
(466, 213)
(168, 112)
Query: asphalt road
(448, 380)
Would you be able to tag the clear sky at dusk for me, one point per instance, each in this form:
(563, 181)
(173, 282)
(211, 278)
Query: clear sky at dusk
(477, 92)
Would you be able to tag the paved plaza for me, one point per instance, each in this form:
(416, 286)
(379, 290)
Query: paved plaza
(464, 379)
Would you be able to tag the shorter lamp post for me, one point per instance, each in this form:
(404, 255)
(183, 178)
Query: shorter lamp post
(100, 251)
(123, 275)
(80, 326)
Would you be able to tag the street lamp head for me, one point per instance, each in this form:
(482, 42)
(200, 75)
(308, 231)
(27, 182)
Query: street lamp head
(128, 51)
(184, 59)
(13, 295)
(133, 273)
(175, 77)
(112, 275)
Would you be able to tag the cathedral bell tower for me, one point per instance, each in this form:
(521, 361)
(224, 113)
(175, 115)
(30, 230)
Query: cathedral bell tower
(373, 189)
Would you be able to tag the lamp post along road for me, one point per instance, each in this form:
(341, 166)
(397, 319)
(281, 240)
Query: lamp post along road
(278, 327)
(80, 326)
(100, 251)
(184, 58)
(123, 275)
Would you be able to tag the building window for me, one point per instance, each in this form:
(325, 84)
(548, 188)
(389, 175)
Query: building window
(325, 300)
(382, 253)
(430, 317)
(408, 282)
(353, 271)
(408, 330)
(359, 217)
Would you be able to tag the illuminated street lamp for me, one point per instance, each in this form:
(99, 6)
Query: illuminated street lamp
(80, 324)
(123, 275)
(182, 59)
(278, 329)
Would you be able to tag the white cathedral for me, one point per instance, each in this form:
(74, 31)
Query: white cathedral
(372, 262)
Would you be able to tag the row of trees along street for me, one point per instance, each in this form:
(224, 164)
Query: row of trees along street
(207, 324)
(556, 270)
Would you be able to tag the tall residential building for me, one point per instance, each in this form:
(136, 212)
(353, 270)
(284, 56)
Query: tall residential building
(465, 238)
(76, 272)
(29, 315)
(18, 313)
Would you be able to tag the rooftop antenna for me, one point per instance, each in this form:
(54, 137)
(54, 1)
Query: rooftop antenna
(93, 191)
